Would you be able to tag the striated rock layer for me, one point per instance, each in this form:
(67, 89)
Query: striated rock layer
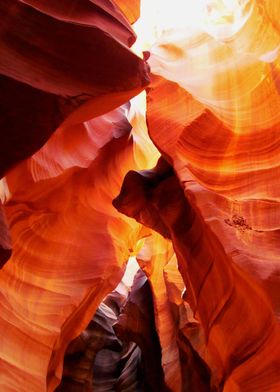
(69, 249)
(136, 323)
(211, 301)
(54, 58)
(205, 156)
(241, 331)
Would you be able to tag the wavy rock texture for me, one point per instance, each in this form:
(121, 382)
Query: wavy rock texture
(58, 273)
(235, 76)
(118, 370)
(103, 14)
(190, 338)
(69, 55)
(223, 112)
(172, 315)
(51, 64)
(217, 157)
(218, 126)
(155, 255)
(81, 354)
(136, 323)
(213, 113)
(56, 57)
(233, 306)
(97, 360)
(203, 150)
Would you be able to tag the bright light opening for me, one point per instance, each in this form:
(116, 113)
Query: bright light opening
(127, 280)
(219, 18)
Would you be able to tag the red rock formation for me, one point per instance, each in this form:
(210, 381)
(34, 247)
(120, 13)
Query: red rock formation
(81, 353)
(72, 46)
(183, 370)
(237, 318)
(225, 139)
(153, 258)
(118, 370)
(213, 113)
(5, 240)
(58, 219)
(203, 150)
(55, 57)
(136, 323)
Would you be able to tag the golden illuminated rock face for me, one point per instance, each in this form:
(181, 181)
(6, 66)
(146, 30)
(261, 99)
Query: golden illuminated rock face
(82, 191)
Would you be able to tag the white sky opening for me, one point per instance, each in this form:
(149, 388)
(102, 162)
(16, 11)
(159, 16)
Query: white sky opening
(127, 280)
(219, 18)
